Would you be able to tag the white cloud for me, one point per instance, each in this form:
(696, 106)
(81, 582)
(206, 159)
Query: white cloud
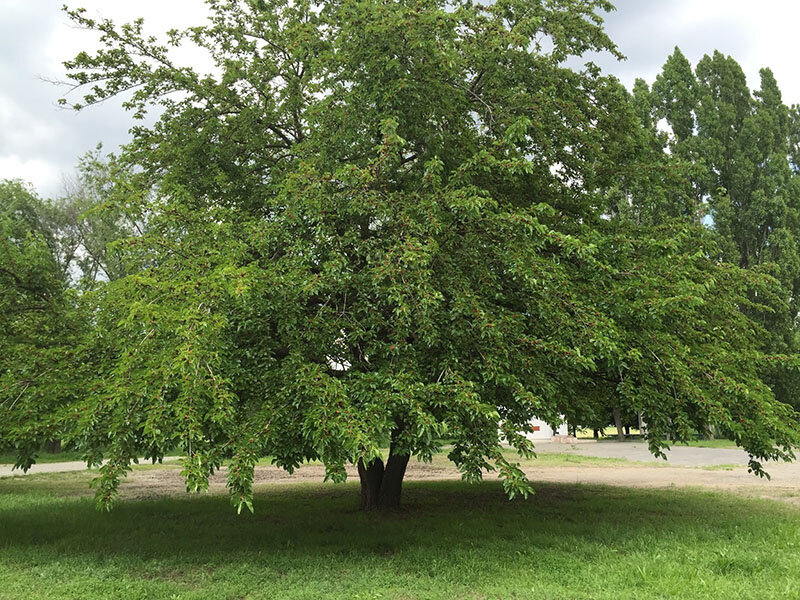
(758, 35)
(42, 174)
(39, 141)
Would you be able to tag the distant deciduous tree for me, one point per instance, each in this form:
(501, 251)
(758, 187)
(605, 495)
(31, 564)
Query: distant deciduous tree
(38, 322)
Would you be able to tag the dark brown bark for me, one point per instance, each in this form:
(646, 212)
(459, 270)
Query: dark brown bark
(53, 447)
(382, 486)
(371, 477)
(392, 484)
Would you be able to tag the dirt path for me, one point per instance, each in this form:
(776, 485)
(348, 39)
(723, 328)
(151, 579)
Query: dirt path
(784, 486)
(682, 470)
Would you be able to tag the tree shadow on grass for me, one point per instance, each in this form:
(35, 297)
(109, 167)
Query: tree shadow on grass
(447, 531)
(325, 516)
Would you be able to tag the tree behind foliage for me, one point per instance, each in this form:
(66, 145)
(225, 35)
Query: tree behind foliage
(741, 146)
(676, 308)
(38, 320)
(93, 219)
(55, 257)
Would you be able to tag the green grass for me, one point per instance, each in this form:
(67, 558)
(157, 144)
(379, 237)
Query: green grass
(543, 459)
(699, 443)
(547, 459)
(555, 459)
(451, 540)
(716, 443)
(43, 457)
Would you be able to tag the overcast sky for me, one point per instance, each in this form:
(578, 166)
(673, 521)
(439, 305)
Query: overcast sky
(40, 143)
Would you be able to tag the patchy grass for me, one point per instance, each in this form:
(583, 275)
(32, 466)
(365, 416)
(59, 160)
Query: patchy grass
(557, 459)
(451, 540)
(43, 457)
(716, 443)
(723, 467)
(698, 443)
(542, 459)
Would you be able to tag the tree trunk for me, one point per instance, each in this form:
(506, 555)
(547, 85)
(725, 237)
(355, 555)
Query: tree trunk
(381, 487)
(618, 423)
(53, 447)
(392, 484)
(596, 434)
(371, 477)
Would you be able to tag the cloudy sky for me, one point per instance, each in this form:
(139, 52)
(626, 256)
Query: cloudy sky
(40, 143)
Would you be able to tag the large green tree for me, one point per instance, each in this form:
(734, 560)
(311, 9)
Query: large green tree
(391, 224)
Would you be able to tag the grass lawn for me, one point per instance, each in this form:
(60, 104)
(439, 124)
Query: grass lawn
(548, 459)
(452, 540)
(543, 459)
(611, 437)
(716, 443)
(43, 457)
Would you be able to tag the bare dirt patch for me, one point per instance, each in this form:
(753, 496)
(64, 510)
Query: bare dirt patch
(784, 486)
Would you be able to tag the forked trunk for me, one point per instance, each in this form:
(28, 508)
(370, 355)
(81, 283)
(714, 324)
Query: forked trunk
(381, 486)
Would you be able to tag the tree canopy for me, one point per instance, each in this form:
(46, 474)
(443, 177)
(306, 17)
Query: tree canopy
(404, 224)
(37, 319)
(741, 144)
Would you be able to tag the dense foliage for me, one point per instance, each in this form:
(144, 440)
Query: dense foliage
(746, 176)
(38, 318)
(400, 224)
